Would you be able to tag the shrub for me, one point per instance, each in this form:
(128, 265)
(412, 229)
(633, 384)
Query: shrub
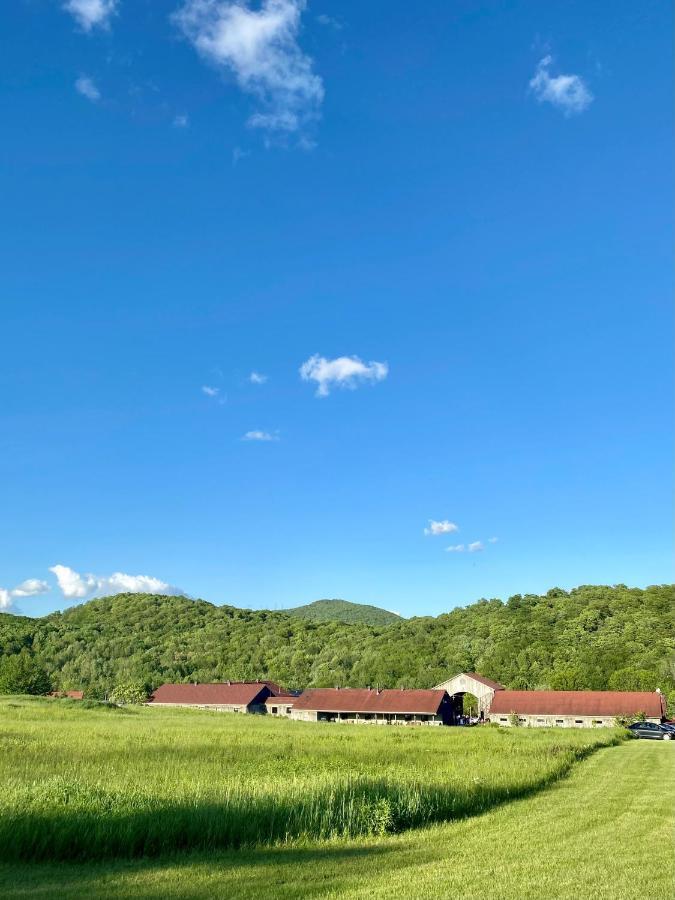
(21, 673)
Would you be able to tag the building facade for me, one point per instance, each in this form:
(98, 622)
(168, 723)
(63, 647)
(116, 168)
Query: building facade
(482, 688)
(230, 696)
(575, 709)
(374, 707)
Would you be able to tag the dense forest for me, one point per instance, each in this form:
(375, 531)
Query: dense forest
(589, 638)
(344, 611)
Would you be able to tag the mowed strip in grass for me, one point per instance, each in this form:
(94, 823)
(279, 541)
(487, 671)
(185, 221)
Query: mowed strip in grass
(81, 783)
(605, 832)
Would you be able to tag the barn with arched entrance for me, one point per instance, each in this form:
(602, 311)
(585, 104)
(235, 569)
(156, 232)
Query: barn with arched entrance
(483, 689)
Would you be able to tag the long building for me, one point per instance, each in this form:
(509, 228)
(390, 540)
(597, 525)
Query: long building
(574, 709)
(377, 707)
(230, 696)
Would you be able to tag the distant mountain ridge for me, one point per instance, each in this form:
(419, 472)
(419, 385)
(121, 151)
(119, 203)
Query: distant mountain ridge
(343, 611)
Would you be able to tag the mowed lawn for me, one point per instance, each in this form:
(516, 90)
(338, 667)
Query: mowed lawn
(603, 831)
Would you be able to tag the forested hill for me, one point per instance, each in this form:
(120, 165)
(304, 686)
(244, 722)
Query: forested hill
(592, 637)
(344, 611)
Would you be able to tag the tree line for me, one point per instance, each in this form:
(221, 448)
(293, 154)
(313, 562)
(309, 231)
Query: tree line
(589, 638)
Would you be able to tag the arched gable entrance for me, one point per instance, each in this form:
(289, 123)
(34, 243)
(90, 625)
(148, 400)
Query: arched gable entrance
(482, 688)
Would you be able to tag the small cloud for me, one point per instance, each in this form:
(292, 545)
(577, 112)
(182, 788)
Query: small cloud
(6, 601)
(87, 88)
(260, 47)
(492, 540)
(455, 548)
(78, 587)
(329, 22)
(31, 587)
(568, 93)
(257, 378)
(476, 547)
(260, 436)
(210, 391)
(181, 121)
(442, 527)
(344, 372)
(90, 14)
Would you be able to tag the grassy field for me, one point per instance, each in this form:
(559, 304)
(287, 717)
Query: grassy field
(79, 782)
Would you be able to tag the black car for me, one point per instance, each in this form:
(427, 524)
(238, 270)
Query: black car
(652, 731)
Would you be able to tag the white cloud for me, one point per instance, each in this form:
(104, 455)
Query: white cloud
(492, 540)
(87, 87)
(76, 587)
(566, 92)
(181, 121)
(5, 600)
(31, 587)
(257, 378)
(91, 14)
(260, 436)
(259, 46)
(210, 391)
(442, 527)
(476, 547)
(456, 548)
(345, 371)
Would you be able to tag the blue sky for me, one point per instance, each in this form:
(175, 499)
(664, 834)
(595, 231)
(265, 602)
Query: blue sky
(450, 217)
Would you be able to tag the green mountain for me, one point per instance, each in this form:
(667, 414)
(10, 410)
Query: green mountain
(592, 637)
(343, 611)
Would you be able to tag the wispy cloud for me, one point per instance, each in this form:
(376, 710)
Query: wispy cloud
(492, 540)
(442, 527)
(257, 378)
(78, 587)
(344, 372)
(260, 436)
(87, 87)
(260, 47)
(474, 547)
(329, 21)
(568, 93)
(210, 391)
(91, 14)
(180, 121)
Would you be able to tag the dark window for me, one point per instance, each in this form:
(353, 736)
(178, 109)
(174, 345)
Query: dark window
(559, 721)
(578, 721)
(504, 719)
(288, 710)
(275, 710)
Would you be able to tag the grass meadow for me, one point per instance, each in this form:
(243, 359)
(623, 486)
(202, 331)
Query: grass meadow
(84, 782)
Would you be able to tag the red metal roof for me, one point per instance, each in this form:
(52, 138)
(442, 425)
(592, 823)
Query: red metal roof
(363, 700)
(236, 693)
(495, 685)
(282, 699)
(73, 695)
(579, 703)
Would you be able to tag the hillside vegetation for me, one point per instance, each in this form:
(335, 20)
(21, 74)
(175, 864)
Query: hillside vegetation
(344, 611)
(589, 638)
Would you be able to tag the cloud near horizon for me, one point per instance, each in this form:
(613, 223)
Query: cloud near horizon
(31, 587)
(568, 93)
(90, 14)
(79, 587)
(343, 372)
(260, 48)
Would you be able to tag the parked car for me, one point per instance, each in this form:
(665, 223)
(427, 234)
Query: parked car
(652, 731)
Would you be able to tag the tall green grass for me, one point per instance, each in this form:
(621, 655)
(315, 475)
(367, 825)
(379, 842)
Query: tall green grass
(83, 782)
